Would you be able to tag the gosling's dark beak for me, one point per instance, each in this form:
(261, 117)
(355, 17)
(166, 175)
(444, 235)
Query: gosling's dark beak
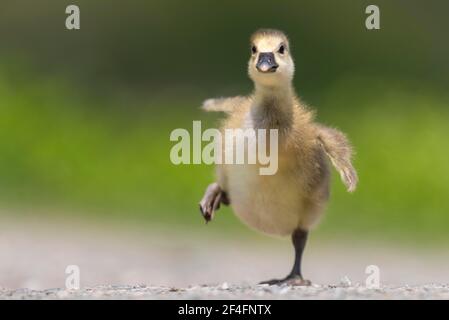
(266, 62)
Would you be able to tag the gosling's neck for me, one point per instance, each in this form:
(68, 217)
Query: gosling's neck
(273, 107)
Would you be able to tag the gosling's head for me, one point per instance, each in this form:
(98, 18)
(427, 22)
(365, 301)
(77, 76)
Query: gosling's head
(270, 63)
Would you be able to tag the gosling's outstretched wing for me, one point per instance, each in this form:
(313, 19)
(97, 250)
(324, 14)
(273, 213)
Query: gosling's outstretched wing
(227, 105)
(339, 150)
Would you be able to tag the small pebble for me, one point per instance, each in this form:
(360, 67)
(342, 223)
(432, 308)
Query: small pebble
(345, 282)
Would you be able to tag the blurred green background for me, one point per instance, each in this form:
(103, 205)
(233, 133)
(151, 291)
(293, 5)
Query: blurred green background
(85, 116)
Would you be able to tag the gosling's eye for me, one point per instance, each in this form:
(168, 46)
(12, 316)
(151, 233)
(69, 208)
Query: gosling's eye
(253, 50)
(281, 49)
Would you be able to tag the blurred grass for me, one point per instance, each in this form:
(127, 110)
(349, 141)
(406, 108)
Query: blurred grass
(109, 158)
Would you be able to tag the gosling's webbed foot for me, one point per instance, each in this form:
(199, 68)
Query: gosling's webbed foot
(211, 201)
(291, 280)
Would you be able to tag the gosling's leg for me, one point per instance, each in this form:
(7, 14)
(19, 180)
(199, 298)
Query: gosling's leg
(211, 201)
(299, 239)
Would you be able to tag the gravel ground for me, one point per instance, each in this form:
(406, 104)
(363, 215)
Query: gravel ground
(205, 264)
(225, 291)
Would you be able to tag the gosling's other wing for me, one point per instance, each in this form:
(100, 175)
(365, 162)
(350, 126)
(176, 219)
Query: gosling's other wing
(340, 152)
(227, 105)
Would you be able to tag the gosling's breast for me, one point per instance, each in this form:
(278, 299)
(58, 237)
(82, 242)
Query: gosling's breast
(270, 204)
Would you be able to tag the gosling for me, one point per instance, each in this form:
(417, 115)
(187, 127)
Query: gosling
(290, 202)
